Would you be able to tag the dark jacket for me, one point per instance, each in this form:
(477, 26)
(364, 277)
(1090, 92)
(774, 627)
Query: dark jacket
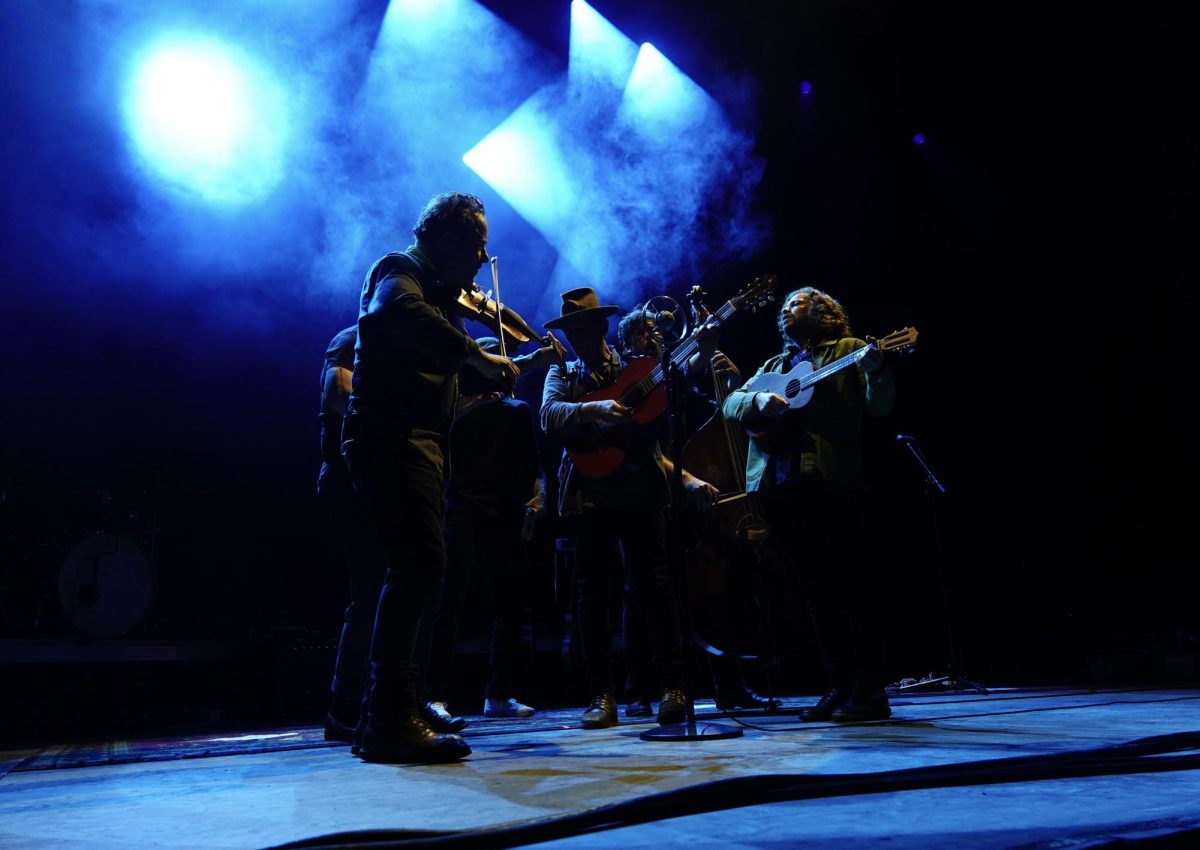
(408, 351)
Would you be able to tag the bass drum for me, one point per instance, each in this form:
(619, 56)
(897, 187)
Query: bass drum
(105, 585)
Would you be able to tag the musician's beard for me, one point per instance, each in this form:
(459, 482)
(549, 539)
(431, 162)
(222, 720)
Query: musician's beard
(800, 329)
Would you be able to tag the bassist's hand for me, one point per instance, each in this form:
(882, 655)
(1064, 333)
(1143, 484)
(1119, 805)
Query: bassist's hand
(770, 405)
(724, 370)
(703, 493)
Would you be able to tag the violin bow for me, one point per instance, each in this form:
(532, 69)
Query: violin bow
(494, 263)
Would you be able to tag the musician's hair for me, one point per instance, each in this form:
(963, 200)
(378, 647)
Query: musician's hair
(630, 323)
(830, 315)
(449, 212)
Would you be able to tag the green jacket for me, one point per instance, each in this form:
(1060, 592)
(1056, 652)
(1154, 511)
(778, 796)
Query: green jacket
(823, 439)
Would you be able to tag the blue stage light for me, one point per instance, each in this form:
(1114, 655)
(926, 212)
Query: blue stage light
(806, 87)
(524, 162)
(919, 139)
(659, 96)
(599, 52)
(204, 119)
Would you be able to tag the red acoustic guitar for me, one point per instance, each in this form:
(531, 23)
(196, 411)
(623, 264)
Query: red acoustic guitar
(602, 448)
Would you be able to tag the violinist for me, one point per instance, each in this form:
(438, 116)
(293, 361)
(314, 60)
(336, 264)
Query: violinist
(810, 474)
(398, 419)
(628, 505)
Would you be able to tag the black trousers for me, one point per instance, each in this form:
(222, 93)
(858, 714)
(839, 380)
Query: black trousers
(400, 479)
(485, 553)
(641, 531)
(820, 529)
(365, 565)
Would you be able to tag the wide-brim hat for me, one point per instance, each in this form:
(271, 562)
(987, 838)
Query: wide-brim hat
(581, 303)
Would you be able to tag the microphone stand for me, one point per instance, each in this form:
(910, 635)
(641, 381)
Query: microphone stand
(934, 488)
(688, 730)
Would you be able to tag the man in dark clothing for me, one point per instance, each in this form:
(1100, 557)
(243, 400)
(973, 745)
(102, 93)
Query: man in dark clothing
(364, 561)
(808, 466)
(395, 441)
(496, 487)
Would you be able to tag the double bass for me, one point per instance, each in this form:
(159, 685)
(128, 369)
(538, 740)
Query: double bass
(717, 454)
(730, 549)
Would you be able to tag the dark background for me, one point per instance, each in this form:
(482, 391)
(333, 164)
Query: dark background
(1042, 241)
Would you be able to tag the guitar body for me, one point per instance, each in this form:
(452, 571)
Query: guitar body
(598, 456)
(790, 385)
(601, 451)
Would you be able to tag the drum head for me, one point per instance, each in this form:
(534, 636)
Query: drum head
(105, 585)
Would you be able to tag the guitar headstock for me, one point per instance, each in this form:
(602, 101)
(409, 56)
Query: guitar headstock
(696, 298)
(756, 293)
(901, 340)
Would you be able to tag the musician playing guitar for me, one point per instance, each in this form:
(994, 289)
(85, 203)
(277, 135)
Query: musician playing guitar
(807, 465)
(628, 505)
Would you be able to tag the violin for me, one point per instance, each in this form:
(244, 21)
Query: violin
(475, 304)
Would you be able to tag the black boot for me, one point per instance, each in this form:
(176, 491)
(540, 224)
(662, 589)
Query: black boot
(409, 739)
(672, 708)
(735, 695)
(825, 707)
(439, 718)
(601, 714)
(392, 729)
(341, 719)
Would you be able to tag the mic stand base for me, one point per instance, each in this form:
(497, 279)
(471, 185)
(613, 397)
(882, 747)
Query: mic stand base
(691, 731)
(949, 682)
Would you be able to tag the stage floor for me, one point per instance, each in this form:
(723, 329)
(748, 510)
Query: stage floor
(817, 785)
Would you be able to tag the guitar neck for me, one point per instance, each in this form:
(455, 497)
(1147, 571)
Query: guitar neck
(834, 367)
(679, 357)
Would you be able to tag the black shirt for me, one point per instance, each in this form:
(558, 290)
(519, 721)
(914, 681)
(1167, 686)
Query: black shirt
(494, 458)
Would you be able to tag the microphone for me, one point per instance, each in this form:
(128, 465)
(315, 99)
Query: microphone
(664, 320)
(904, 438)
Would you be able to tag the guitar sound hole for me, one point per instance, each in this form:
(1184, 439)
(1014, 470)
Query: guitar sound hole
(793, 387)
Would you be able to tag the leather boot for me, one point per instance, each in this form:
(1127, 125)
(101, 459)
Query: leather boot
(738, 694)
(439, 718)
(342, 717)
(409, 739)
(672, 708)
(826, 705)
(601, 714)
(392, 729)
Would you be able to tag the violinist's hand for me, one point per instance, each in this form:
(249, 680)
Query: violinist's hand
(495, 368)
(703, 493)
(724, 370)
(770, 405)
(604, 411)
